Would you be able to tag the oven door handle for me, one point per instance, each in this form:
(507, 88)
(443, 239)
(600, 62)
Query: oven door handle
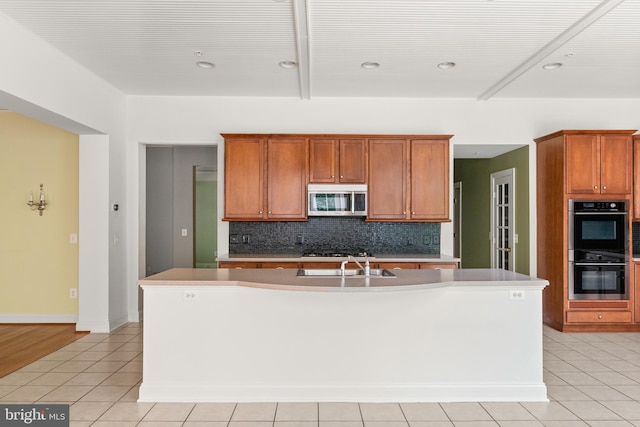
(600, 213)
(601, 263)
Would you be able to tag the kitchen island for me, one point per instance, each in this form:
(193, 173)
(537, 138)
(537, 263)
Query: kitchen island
(268, 335)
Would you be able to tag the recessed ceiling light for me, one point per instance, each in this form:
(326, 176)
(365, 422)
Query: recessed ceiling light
(369, 65)
(288, 64)
(446, 65)
(552, 65)
(205, 64)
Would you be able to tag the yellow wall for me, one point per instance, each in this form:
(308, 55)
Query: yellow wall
(38, 265)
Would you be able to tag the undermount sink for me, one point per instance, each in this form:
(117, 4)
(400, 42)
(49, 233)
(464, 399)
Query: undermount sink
(320, 272)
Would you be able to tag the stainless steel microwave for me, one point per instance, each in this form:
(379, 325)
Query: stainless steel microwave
(337, 200)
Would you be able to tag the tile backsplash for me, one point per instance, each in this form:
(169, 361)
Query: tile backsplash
(333, 234)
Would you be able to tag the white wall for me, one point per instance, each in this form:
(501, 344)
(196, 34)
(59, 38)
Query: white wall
(38, 81)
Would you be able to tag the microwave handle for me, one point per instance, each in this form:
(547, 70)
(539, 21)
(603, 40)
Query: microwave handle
(353, 202)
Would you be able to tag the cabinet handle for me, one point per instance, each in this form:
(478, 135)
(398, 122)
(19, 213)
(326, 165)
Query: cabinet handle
(604, 187)
(404, 212)
(595, 187)
(341, 176)
(333, 176)
(599, 316)
(269, 212)
(413, 213)
(260, 212)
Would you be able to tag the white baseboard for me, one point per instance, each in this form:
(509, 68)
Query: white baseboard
(383, 393)
(38, 318)
(96, 327)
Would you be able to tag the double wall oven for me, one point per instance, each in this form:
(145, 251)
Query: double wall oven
(598, 249)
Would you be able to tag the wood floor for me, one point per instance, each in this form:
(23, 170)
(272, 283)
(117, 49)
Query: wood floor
(21, 344)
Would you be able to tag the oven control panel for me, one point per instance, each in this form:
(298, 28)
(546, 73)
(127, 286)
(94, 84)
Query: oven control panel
(599, 206)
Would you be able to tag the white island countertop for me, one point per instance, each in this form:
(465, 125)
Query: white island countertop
(252, 335)
(286, 279)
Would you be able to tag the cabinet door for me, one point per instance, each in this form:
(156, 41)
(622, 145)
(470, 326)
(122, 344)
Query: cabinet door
(636, 179)
(287, 178)
(243, 179)
(322, 160)
(583, 164)
(615, 164)
(353, 161)
(430, 180)
(387, 179)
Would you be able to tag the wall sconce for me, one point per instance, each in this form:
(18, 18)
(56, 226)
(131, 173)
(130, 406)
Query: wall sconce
(40, 205)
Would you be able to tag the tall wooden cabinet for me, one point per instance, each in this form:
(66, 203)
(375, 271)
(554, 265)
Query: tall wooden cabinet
(587, 165)
(409, 179)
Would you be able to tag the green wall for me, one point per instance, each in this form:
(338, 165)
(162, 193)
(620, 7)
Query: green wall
(475, 175)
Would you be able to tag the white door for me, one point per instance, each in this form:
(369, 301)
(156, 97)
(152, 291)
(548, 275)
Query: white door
(503, 238)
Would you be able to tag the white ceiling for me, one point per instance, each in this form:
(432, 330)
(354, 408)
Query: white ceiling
(148, 47)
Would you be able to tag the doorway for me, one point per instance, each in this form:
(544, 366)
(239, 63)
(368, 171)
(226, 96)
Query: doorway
(205, 236)
(503, 237)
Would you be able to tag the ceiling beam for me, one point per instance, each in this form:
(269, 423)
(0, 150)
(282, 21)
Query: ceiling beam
(598, 12)
(301, 17)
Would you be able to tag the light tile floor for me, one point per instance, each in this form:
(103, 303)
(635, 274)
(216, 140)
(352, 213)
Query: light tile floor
(592, 379)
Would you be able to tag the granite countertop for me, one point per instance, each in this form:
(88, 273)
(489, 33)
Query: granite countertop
(299, 258)
(286, 279)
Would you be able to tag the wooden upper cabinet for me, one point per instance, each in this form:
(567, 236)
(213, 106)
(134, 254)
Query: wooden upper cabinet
(353, 161)
(322, 160)
(388, 159)
(599, 164)
(287, 178)
(636, 196)
(409, 179)
(337, 161)
(429, 180)
(265, 179)
(616, 164)
(244, 161)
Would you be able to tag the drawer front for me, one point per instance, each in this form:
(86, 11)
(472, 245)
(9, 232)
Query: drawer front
(599, 316)
(438, 265)
(240, 264)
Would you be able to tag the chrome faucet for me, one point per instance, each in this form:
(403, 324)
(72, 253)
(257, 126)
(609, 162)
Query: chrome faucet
(366, 269)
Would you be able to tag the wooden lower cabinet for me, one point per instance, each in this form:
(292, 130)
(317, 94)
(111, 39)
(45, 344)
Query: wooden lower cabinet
(239, 264)
(321, 265)
(280, 265)
(599, 316)
(438, 265)
(332, 265)
(416, 265)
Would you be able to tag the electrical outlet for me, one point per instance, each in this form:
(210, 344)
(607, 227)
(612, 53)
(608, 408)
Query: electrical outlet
(73, 293)
(233, 238)
(73, 238)
(246, 238)
(516, 295)
(191, 295)
(184, 232)
(426, 240)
